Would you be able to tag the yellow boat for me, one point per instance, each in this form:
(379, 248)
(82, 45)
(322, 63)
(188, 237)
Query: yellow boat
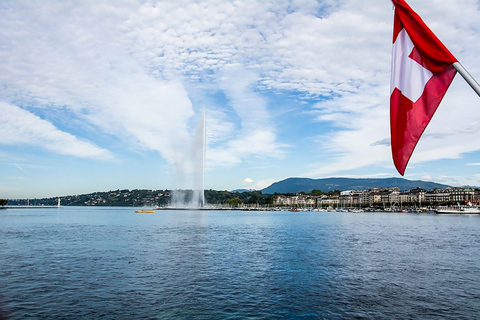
(145, 211)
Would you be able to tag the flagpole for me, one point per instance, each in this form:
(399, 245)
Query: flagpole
(470, 80)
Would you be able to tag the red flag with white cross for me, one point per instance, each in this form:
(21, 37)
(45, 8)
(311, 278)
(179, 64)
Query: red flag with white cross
(422, 70)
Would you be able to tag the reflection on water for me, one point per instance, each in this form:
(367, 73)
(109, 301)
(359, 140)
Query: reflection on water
(113, 263)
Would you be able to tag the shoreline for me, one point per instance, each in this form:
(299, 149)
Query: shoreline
(31, 207)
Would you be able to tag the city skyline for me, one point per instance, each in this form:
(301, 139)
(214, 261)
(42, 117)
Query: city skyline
(104, 96)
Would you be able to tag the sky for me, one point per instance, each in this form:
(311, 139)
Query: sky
(106, 95)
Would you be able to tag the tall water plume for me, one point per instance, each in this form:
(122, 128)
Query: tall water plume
(191, 167)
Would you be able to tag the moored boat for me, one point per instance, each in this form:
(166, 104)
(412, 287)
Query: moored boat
(458, 210)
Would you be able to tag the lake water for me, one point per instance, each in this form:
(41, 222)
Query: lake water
(110, 263)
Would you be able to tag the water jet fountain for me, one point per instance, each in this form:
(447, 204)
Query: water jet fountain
(192, 165)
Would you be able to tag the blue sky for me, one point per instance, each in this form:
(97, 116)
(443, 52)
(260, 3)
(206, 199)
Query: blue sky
(105, 95)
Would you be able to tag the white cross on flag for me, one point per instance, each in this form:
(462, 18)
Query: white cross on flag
(422, 70)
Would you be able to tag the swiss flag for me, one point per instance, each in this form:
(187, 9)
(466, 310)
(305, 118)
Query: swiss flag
(422, 71)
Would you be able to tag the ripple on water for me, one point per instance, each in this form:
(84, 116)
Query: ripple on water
(89, 263)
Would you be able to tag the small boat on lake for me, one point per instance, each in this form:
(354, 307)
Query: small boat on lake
(145, 211)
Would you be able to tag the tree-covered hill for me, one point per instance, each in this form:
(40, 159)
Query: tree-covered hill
(137, 198)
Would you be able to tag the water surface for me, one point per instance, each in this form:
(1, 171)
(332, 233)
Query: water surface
(87, 262)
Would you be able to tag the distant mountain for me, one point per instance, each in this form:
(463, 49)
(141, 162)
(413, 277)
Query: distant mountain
(293, 185)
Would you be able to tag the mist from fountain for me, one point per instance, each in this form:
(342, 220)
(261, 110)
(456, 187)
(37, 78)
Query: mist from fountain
(192, 168)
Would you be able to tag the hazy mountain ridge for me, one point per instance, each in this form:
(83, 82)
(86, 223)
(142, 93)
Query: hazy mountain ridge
(293, 185)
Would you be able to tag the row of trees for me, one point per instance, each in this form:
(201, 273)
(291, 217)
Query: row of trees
(235, 199)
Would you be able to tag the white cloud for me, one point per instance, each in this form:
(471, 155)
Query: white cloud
(219, 126)
(248, 180)
(255, 135)
(261, 184)
(363, 122)
(80, 61)
(315, 47)
(427, 177)
(21, 127)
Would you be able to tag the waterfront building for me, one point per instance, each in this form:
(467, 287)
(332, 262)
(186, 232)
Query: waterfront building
(374, 197)
(353, 198)
(282, 201)
(437, 196)
(298, 201)
(462, 195)
(325, 201)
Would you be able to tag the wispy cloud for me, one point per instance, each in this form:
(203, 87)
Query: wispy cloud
(255, 134)
(21, 127)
